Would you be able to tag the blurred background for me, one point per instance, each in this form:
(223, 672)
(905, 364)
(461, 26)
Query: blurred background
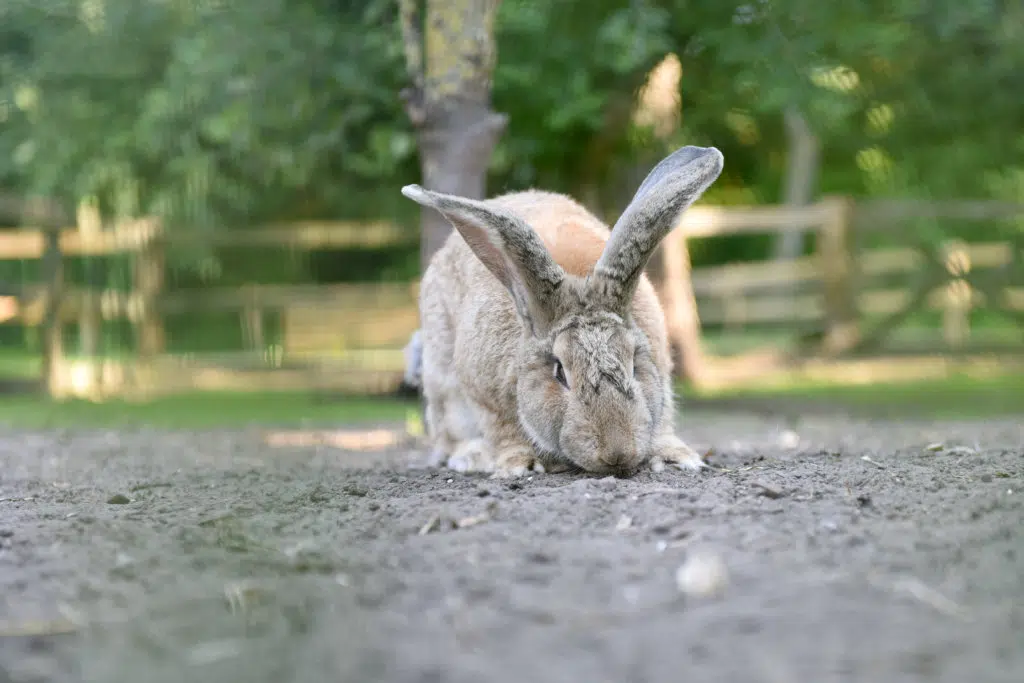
(200, 208)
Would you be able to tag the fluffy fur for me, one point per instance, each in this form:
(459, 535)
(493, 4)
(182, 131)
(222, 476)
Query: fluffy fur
(543, 342)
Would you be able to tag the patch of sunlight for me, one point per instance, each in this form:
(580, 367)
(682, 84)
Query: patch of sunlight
(874, 162)
(879, 119)
(26, 97)
(743, 126)
(349, 440)
(93, 14)
(658, 105)
(837, 78)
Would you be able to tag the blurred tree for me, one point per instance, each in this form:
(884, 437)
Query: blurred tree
(450, 55)
(204, 113)
(210, 112)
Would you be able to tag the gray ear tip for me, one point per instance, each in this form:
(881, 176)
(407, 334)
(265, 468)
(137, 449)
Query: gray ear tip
(417, 194)
(710, 158)
(713, 152)
(717, 156)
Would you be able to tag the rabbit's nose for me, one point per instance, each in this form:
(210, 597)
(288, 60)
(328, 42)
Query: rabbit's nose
(615, 458)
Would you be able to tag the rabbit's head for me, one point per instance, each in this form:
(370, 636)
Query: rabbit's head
(588, 390)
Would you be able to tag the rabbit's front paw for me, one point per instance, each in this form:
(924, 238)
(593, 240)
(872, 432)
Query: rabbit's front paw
(515, 462)
(471, 456)
(671, 450)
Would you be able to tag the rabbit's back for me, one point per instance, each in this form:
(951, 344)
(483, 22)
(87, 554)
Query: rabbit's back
(574, 236)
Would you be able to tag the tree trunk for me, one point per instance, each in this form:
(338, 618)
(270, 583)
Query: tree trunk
(801, 176)
(670, 272)
(450, 57)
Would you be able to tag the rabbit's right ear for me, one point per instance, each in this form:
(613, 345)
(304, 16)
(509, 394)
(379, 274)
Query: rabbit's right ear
(670, 188)
(509, 248)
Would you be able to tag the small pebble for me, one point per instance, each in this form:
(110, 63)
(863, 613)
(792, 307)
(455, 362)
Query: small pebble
(768, 491)
(436, 523)
(789, 439)
(702, 575)
(118, 500)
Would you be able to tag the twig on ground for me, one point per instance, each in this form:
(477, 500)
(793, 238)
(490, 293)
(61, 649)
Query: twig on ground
(873, 462)
(931, 597)
(54, 627)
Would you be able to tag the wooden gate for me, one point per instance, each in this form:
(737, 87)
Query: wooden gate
(959, 279)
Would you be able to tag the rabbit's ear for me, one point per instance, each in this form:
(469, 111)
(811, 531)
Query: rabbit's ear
(509, 248)
(674, 184)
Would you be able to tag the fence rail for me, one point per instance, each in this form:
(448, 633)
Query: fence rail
(849, 298)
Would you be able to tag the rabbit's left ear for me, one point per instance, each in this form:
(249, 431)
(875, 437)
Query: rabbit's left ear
(674, 184)
(509, 248)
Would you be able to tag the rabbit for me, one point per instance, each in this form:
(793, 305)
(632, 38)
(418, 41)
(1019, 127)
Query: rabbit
(544, 346)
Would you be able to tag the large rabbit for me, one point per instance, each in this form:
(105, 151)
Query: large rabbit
(543, 342)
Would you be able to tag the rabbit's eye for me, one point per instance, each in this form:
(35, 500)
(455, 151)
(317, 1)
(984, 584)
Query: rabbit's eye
(560, 374)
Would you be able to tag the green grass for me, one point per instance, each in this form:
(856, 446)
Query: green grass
(19, 364)
(206, 410)
(959, 397)
(955, 397)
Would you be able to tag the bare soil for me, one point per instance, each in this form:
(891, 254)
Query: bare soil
(853, 551)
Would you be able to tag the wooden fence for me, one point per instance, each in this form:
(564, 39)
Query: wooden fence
(840, 301)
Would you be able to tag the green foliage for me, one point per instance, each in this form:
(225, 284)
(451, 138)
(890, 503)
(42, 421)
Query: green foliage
(567, 76)
(218, 112)
(907, 96)
(205, 112)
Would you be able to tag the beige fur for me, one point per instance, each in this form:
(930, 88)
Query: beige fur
(493, 401)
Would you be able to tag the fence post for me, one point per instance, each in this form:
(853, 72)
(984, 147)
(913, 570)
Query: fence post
(252, 319)
(835, 254)
(89, 339)
(90, 227)
(53, 279)
(671, 274)
(149, 264)
(958, 296)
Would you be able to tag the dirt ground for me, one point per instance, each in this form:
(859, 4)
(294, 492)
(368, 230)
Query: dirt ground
(846, 551)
